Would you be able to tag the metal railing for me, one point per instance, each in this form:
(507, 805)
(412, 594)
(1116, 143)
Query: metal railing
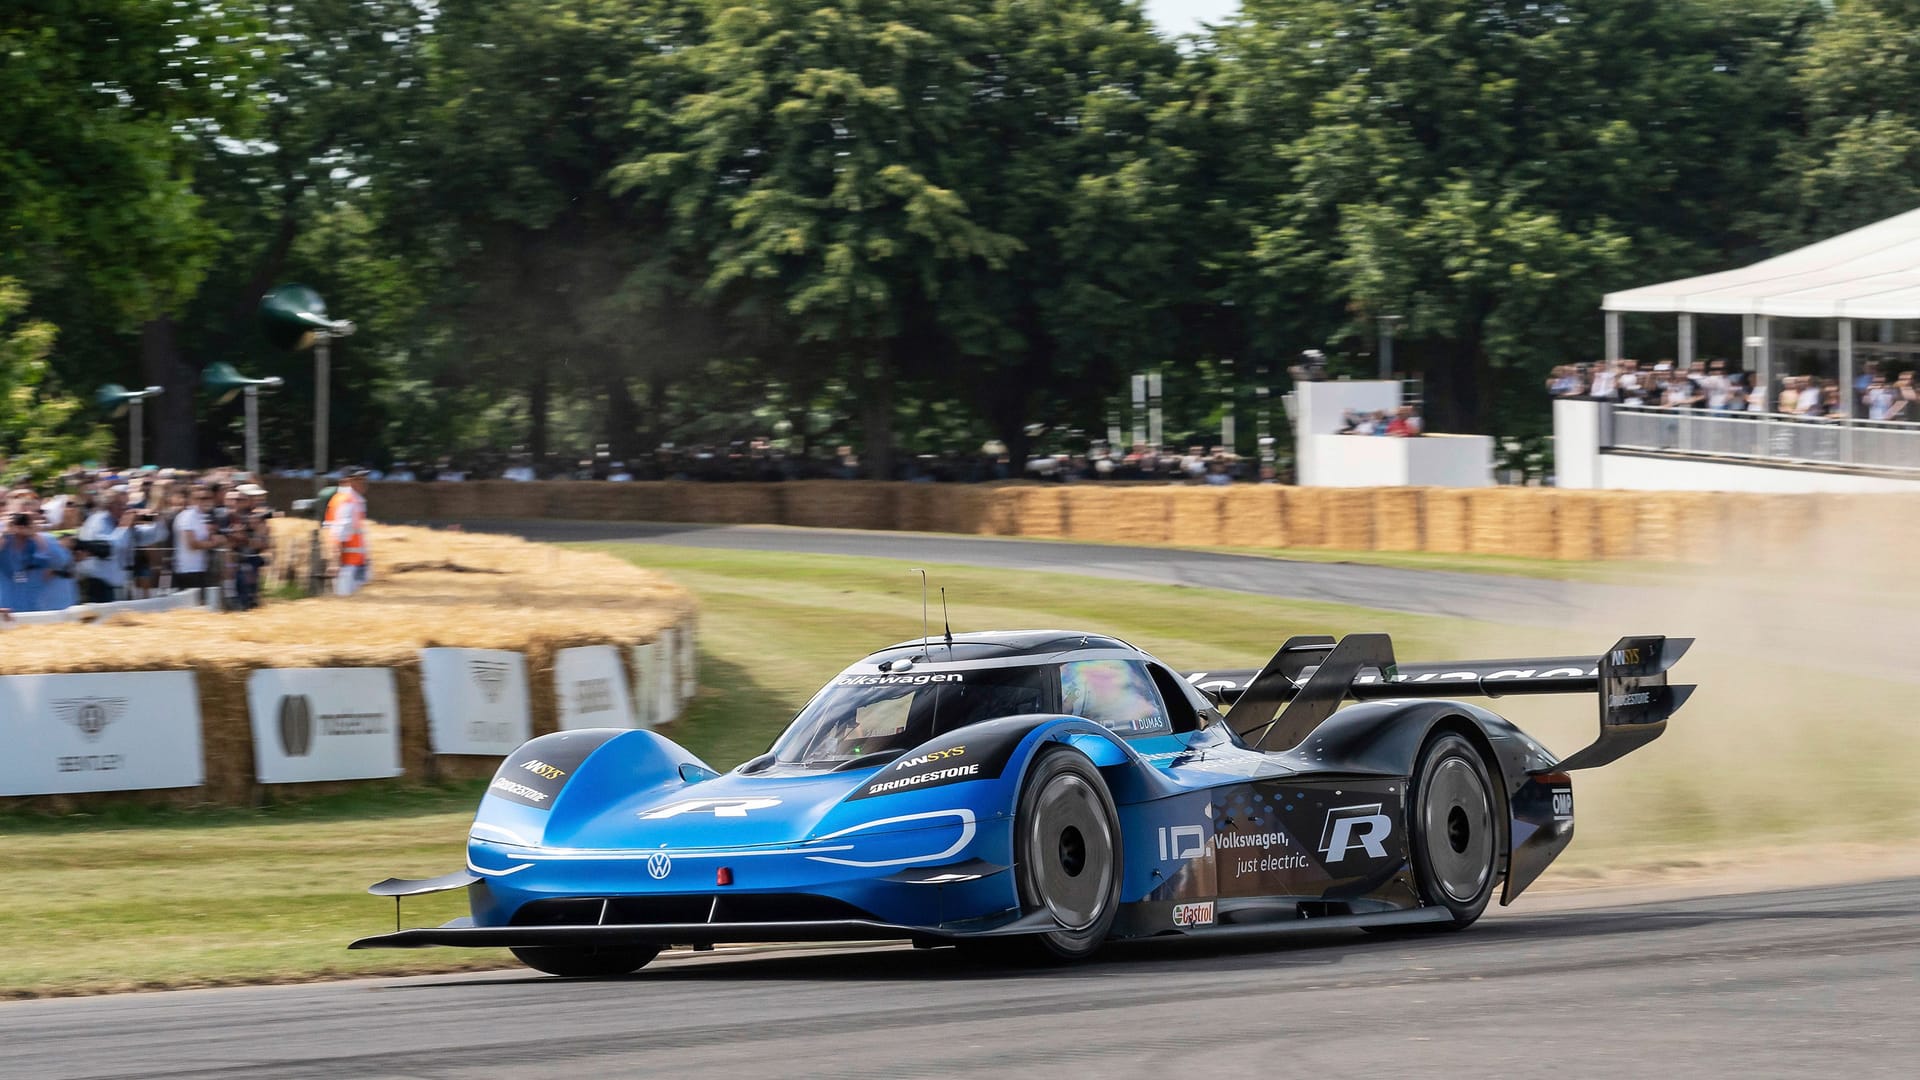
(1777, 437)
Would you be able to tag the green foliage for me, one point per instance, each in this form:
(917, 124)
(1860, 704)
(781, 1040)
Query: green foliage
(41, 429)
(623, 221)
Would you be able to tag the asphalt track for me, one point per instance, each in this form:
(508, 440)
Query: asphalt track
(1815, 983)
(1858, 636)
(1492, 597)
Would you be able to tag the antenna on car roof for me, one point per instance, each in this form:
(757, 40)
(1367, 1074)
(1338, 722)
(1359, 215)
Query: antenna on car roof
(946, 621)
(925, 633)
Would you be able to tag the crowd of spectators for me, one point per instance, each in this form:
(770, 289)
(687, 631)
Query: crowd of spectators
(1403, 422)
(1717, 386)
(99, 537)
(763, 459)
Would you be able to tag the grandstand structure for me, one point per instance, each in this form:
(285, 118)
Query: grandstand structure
(1830, 309)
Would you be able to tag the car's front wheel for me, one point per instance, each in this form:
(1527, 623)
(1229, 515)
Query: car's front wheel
(1067, 854)
(588, 962)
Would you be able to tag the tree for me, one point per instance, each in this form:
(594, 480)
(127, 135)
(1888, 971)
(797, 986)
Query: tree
(1857, 157)
(109, 106)
(808, 170)
(1064, 150)
(42, 430)
(1489, 170)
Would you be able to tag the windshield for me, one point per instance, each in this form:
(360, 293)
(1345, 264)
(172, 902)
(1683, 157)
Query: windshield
(862, 718)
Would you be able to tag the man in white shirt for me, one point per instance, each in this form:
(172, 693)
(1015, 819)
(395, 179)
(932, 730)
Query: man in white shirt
(193, 538)
(1604, 383)
(113, 531)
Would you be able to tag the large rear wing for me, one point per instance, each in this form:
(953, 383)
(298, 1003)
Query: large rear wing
(1277, 706)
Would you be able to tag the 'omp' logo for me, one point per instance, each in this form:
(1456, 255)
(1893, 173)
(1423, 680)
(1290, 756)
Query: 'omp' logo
(296, 725)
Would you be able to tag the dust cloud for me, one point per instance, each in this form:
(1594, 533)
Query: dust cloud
(1806, 723)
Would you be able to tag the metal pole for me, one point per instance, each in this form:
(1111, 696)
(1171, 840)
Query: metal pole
(1686, 341)
(134, 432)
(1846, 390)
(1226, 418)
(1386, 348)
(1263, 423)
(1153, 410)
(253, 432)
(322, 356)
(1763, 329)
(1613, 336)
(1139, 411)
(1846, 367)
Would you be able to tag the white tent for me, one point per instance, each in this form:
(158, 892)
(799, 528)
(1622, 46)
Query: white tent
(1869, 273)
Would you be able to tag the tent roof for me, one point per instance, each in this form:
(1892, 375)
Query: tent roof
(1869, 273)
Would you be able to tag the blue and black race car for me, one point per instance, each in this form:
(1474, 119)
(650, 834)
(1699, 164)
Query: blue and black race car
(1044, 792)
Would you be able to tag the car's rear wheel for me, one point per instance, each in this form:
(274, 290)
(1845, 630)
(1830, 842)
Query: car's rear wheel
(1067, 855)
(588, 962)
(1456, 830)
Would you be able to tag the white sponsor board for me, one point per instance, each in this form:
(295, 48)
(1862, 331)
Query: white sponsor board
(647, 686)
(591, 689)
(476, 700)
(687, 663)
(113, 731)
(324, 724)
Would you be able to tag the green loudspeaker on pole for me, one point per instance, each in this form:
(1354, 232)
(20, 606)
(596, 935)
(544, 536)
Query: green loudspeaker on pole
(223, 379)
(295, 317)
(116, 401)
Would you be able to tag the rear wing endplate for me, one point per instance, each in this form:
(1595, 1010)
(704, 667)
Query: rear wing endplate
(1277, 706)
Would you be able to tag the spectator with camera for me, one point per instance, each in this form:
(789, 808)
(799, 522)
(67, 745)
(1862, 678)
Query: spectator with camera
(109, 536)
(29, 560)
(244, 525)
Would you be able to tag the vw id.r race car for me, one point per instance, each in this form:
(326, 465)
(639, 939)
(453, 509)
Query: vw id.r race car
(1042, 792)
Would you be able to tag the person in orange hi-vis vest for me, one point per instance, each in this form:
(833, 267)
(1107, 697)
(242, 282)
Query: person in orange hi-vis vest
(346, 522)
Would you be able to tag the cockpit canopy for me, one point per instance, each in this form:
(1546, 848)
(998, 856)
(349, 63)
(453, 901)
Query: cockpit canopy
(862, 719)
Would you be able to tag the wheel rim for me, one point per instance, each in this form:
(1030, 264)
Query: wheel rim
(1458, 815)
(1070, 850)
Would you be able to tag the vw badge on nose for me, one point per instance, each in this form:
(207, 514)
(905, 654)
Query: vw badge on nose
(659, 865)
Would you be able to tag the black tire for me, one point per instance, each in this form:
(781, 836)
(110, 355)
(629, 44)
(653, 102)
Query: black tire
(588, 962)
(1066, 856)
(1455, 815)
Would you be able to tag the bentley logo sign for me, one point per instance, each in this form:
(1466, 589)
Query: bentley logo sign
(491, 676)
(296, 725)
(89, 715)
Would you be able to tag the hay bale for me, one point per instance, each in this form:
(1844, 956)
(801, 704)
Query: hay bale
(1197, 517)
(1349, 519)
(1399, 519)
(1533, 523)
(1252, 516)
(1039, 511)
(1303, 514)
(1486, 521)
(1618, 523)
(430, 589)
(1448, 517)
(1578, 536)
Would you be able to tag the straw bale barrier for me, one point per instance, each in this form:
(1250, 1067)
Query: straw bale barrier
(1532, 523)
(431, 589)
